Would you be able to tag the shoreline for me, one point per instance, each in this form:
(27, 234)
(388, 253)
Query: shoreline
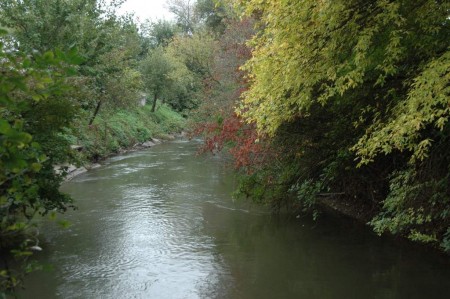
(73, 171)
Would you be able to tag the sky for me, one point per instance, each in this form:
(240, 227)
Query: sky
(144, 9)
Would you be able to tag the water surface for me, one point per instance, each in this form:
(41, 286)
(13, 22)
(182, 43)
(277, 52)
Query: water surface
(161, 223)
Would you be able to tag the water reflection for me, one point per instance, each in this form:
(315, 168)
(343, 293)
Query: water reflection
(161, 224)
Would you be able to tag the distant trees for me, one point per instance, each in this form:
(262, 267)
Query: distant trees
(159, 33)
(216, 118)
(180, 62)
(184, 13)
(156, 68)
(196, 15)
(116, 55)
(213, 13)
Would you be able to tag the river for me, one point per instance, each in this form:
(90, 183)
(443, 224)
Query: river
(161, 223)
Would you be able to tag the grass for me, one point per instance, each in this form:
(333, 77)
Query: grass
(114, 131)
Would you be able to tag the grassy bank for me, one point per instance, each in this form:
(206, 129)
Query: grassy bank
(115, 131)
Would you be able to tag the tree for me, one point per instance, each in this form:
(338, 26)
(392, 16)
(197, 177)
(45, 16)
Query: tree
(196, 52)
(225, 82)
(184, 14)
(116, 80)
(30, 84)
(192, 57)
(212, 13)
(109, 45)
(364, 80)
(221, 128)
(159, 33)
(181, 95)
(155, 69)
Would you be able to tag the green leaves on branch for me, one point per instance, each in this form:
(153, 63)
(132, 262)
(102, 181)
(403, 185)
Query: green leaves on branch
(316, 52)
(426, 104)
(368, 78)
(175, 74)
(30, 88)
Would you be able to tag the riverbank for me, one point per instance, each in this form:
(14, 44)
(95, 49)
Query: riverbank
(347, 207)
(120, 131)
(359, 214)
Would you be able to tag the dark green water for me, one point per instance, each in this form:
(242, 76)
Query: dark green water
(161, 223)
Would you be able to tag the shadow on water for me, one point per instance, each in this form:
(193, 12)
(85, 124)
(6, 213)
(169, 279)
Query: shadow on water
(161, 224)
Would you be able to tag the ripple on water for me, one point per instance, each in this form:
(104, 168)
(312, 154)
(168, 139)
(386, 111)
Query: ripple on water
(146, 229)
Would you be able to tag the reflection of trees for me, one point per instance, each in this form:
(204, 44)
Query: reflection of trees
(272, 257)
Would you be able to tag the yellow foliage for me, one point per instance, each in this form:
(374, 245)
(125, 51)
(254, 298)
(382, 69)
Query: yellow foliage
(312, 51)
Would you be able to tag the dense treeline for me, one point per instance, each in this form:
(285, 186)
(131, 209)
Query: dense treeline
(344, 102)
(337, 102)
(362, 88)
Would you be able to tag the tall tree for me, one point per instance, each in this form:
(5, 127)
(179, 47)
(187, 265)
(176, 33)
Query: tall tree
(155, 69)
(212, 13)
(184, 14)
(196, 52)
(159, 33)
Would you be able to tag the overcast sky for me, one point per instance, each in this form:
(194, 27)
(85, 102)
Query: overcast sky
(144, 9)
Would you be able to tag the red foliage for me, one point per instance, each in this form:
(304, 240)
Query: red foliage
(223, 128)
(242, 140)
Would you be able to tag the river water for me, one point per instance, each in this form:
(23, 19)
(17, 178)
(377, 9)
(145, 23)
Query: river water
(161, 223)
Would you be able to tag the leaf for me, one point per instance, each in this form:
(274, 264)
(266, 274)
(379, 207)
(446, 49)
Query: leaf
(36, 167)
(5, 128)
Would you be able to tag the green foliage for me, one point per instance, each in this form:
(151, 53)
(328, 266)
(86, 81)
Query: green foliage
(175, 74)
(307, 194)
(195, 52)
(119, 129)
(446, 241)
(426, 104)
(356, 93)
(170, 121)
(418, 204)
(185, 15)
(332, 49)
(34, 109)
(109, 46)
(212, 13)
(401, 215)
(159, 33)
(192, 58)
(156, 68)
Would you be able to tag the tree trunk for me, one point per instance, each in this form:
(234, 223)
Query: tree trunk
(97, 109)
(154, 102)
